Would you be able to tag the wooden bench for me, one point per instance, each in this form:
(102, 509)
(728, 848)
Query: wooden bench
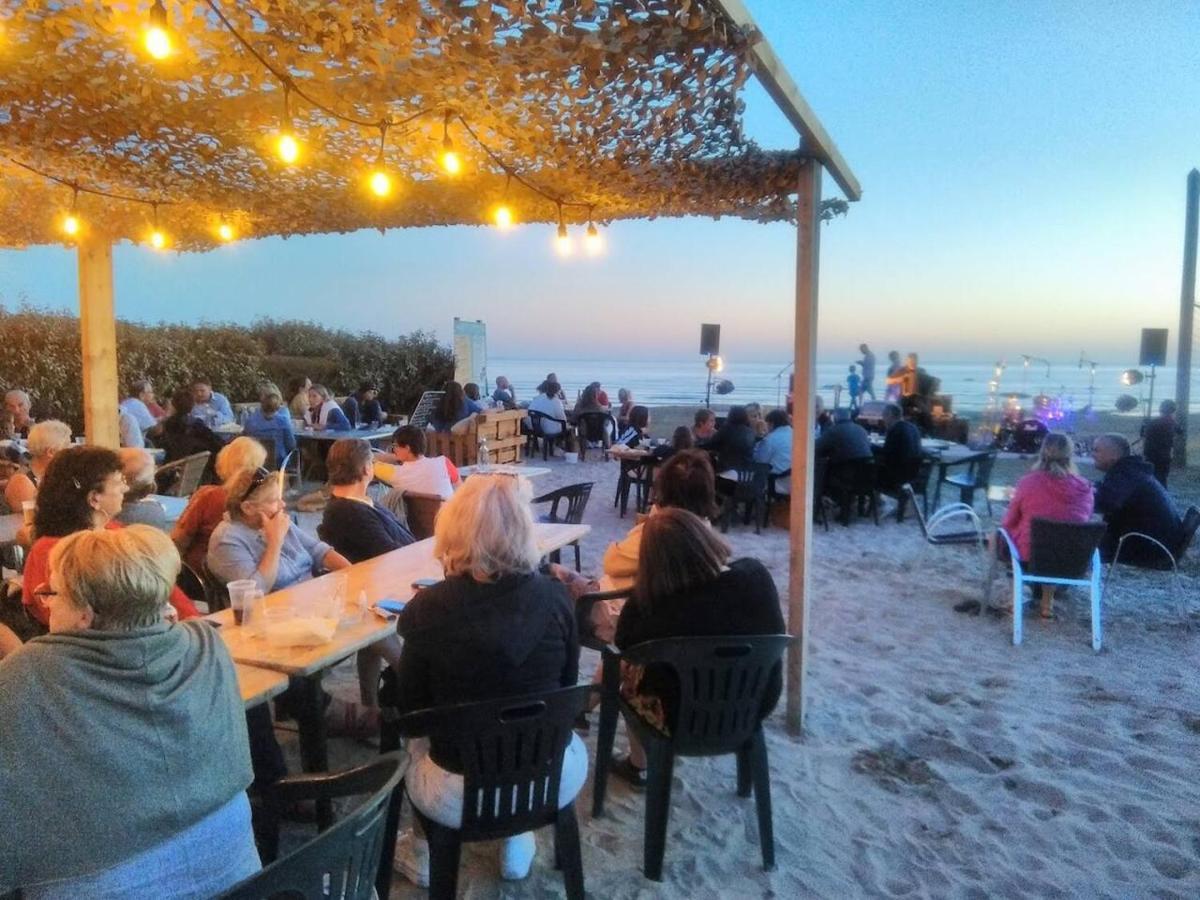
(502, 427)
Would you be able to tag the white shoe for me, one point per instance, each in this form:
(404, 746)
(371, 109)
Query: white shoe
(516, 856)
(411, 858)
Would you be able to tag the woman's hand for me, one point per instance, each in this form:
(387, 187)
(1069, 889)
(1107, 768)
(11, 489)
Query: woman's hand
(275, 528)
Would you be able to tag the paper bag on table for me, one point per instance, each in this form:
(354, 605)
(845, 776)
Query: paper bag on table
(306, 631)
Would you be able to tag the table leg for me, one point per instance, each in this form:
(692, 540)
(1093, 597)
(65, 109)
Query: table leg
(310, 721)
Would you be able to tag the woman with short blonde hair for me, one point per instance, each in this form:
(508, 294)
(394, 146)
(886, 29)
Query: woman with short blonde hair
(485, 530)
(206, 508)
(119, 700)
(495, 627)
(45, 440)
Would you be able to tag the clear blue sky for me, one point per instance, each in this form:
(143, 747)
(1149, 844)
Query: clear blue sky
(1023, 166)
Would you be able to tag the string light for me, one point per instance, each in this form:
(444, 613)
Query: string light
(225, 231)
(562, 241)
(70, 223)
(379, 181)
(287, 148)
(593, 243)
(451, 162)
(502, 213)
(157, 37)
(158, 240)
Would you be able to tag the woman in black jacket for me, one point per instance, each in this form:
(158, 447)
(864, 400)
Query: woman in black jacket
(182, 436)
(493, 628)
(732, 447)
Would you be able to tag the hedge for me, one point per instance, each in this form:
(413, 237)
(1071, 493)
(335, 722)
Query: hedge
(42, 356)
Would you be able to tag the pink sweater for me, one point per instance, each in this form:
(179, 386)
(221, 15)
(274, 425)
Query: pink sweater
(1040, 495)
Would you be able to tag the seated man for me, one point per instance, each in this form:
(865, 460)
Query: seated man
(416, 472)
(900, 459)
(844, 441)
(17, 408)
(1158, 440)
(138, 403)
(209, 406)
(704, 426)
(1132, 500)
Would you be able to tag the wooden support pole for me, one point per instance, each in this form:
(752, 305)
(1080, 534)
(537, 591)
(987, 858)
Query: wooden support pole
(808, 242)
(98, 336)
(1187, 308)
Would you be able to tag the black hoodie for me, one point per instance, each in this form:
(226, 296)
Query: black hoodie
(466, 640)
(1131, 499)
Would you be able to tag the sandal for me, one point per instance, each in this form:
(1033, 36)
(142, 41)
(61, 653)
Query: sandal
(624, 769)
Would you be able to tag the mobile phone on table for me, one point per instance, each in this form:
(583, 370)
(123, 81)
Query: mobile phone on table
(395, 607)
(422, 583)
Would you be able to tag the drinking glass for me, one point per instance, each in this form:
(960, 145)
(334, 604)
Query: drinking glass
(237, 596)
(252, 612)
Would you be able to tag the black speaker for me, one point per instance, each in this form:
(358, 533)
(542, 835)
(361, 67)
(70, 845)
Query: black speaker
(1154, 347)
(710, 339)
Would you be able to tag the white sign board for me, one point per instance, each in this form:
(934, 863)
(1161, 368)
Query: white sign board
(470, 353)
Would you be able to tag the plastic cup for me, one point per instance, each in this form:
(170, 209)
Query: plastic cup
(238, 591)
(27, 510)
(252, 612)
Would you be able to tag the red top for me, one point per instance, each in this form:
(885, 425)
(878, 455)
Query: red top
(451, 470)
(1040, 495)
(203, 514)
(37, 573)
(602, 398)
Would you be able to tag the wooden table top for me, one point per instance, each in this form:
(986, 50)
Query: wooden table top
(366, 434)
(389, 576)
(505, 469)
(259, 685)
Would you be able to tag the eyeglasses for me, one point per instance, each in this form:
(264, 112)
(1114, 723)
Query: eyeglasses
(260, 478)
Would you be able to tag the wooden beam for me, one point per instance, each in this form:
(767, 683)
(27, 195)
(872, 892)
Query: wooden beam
(783, 90)
(804, 389)
(98, 336)
(1187, 307)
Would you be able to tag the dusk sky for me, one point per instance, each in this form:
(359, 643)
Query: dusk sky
(1023, 167)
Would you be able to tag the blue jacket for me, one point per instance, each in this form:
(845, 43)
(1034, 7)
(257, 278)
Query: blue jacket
(1130, 499)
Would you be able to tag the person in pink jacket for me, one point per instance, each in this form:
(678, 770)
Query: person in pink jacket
(1052, 490)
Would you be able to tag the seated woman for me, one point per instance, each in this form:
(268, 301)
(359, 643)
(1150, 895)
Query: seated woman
(471, 392)
(139, 506)
(181, 435)
(494, 628)
(548, 402)
(681, 439)
(776, 448)
(206, 508)
(732, 447)
(45, 440)
(687, 587)
(83, 490)
(323, 412)
(363, 406)
(143, 787)
(454, 407)
(271, 424)
(637, 430)
(353, 525)
(298, 392)
(625, 399)
(1053, 489)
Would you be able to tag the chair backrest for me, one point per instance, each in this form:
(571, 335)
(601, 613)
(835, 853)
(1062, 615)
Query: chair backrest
(181, 477)
(215, 592)
(583, 616)
(596, 426)
(858, 475)
(342, 861)
(576, 497)
(421, 511)
(1063, 549)
(752, 481)
(191, 583)
(511, 754)
(537, 421)
(983, 469)
(722, 683)
(1191, 521)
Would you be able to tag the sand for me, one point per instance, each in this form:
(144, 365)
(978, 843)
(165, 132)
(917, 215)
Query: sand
(938, 760)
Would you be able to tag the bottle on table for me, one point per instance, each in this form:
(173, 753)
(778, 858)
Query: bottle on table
(483, 460)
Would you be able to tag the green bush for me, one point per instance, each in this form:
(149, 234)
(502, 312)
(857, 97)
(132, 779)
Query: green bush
(42, 356)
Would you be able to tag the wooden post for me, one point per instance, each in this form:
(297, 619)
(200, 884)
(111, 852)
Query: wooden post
(1187, 307)
(808, 224)
(98, 336)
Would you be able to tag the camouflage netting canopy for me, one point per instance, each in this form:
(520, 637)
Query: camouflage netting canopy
(624, 108)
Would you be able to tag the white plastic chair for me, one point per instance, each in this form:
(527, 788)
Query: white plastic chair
(1063, 553)
(1112, 574)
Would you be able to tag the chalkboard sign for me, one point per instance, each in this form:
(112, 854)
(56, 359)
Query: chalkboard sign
(425, 407)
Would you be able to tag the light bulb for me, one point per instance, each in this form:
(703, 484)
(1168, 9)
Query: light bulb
(380, 183)
(592, 241)
(502, 216)
(70, 225)
(157, 38)
(451, 162)
(158, 240)
(562, 241)
(287, 147)
(225, 231)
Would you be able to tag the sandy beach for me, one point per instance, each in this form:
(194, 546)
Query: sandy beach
(938, 760)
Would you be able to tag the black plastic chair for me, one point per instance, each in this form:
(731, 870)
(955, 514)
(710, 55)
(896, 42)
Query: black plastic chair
(583, 616)
(852, 482)
(511, 753)
(348, 860)
(977, 477)
(182, 477)
(594, 426)
(917, 484)
(537, 421)
(820, 482)
(637, 474)
(722, 685)
(575, 497)
(216, 595)
(750, 492)
(192, 583)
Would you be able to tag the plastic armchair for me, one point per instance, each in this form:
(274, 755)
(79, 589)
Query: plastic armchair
(583, 615)
(977, 477)
(751, 491)
(510, 752)
(575, 497)
(1065, 553)
(1113, 574)
(594, 426)
(181, 477)
(351, 860)
(723, 685)
(537, 421)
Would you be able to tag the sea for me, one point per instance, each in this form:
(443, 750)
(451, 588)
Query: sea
(682, 383)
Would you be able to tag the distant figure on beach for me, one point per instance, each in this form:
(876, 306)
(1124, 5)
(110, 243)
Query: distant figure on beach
(625, 398)
(505, 393)
(1053, 489)
(552, 378)
(704, 426)
(868, 370)
(854, 388)
(895, 377)
(1158, 440)
(1131, 499)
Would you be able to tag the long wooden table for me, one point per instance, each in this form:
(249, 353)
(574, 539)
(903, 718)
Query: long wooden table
(389, 576)
(259, 685)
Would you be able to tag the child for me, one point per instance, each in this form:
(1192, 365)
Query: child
(854, 383)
